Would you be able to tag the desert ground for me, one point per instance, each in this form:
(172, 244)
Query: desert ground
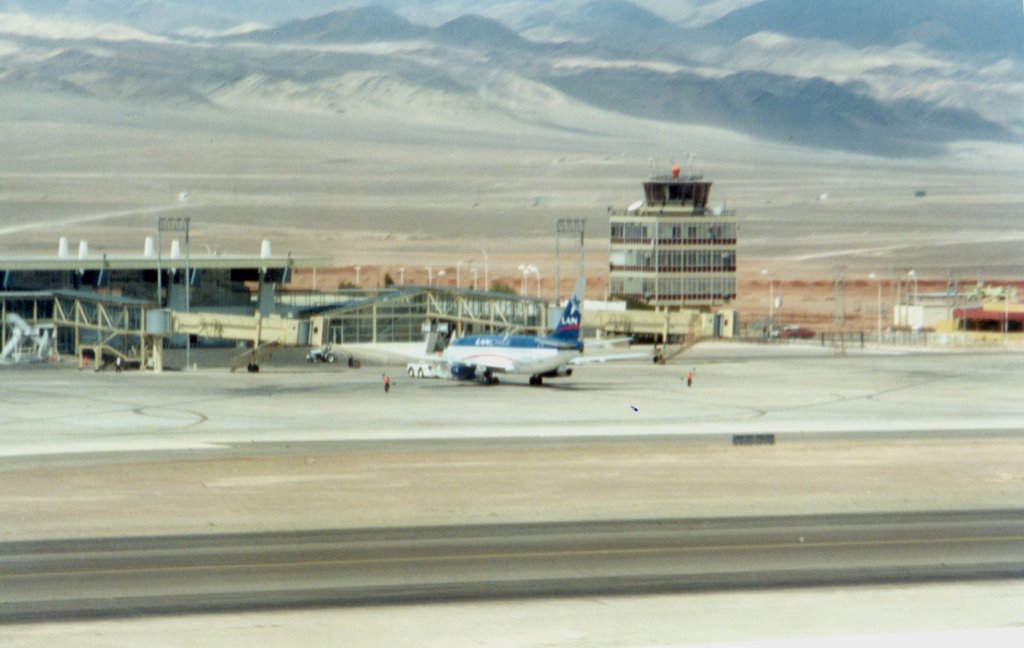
(392, 189)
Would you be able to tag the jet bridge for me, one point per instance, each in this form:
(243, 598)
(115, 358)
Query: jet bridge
(264, 333)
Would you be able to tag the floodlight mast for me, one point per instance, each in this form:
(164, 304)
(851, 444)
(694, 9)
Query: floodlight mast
(569, 226)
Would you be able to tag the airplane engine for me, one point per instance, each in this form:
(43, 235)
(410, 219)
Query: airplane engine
(463, 372)
(561, 372)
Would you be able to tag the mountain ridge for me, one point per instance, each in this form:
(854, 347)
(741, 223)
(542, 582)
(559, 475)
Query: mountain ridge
(659, 71)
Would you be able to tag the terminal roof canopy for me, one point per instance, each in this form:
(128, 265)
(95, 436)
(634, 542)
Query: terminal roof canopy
(204, 262)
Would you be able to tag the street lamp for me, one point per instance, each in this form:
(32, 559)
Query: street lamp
(527, 270)
(401, 276)
(771, 304)
(358, 268)
(440, 277)
(487, 265)
(874, 278)
(1006, 315)
(430, 275)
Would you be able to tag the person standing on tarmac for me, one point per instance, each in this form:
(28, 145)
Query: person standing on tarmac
(689, 378)
(387, 383)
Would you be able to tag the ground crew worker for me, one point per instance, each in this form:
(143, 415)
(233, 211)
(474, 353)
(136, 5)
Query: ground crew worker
(689, 378)
(117, 364)
(387, 383)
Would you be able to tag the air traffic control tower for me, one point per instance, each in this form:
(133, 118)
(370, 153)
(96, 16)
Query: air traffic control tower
(670, 250)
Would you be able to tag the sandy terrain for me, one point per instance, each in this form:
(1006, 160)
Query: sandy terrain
(400, 190)
(316, 487)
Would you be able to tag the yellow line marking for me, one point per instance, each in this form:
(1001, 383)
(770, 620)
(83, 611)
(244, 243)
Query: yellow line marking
(523, 554)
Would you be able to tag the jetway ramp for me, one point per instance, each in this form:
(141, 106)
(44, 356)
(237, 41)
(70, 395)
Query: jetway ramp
(248, 328)
(265, 334)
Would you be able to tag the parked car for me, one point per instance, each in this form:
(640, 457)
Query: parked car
(796, 332)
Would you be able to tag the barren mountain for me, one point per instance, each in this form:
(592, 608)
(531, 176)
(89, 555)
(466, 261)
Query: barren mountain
(622, 58)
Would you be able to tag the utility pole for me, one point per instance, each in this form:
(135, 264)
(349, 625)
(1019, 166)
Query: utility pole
(487, 269)
(878, 283)
(839, 307)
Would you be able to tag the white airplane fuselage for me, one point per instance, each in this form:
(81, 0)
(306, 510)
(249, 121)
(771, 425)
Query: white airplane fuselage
(481, 356)
(514, 354)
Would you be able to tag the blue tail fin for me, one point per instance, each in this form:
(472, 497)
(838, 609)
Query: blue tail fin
(568, 329)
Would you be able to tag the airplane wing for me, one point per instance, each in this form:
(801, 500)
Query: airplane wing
(597, 343)
(378, 354)
(616, 357)
(495, 362)
(490, 361)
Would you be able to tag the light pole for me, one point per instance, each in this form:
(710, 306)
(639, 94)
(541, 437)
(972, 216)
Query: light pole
(522, 283)
(878, 283)
(358, 268)
(440, 277)
(430, 275)
(487, 266)
(1006, 315)
(771, 304)
(473, 270)
(401, 276)
(458, 274)
(536, 271)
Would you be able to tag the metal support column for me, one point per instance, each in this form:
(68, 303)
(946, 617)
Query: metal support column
(178, 224)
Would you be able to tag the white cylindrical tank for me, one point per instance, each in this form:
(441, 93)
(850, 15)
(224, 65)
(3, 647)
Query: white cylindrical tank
(175, 249)
(62, 248)
(265, 249)
(147, 250)
(83, 249)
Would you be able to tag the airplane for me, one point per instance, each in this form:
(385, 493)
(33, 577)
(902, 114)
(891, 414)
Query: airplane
(481, 357)
(551, 356)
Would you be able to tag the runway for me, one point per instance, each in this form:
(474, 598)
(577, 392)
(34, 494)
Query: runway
(116, 577)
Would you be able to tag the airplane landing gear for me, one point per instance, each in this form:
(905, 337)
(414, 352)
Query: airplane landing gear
(488, 378)
(536, 380)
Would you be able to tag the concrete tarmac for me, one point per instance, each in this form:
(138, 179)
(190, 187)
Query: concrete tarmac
(60, 580)
(297, 447)
(789, 389)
